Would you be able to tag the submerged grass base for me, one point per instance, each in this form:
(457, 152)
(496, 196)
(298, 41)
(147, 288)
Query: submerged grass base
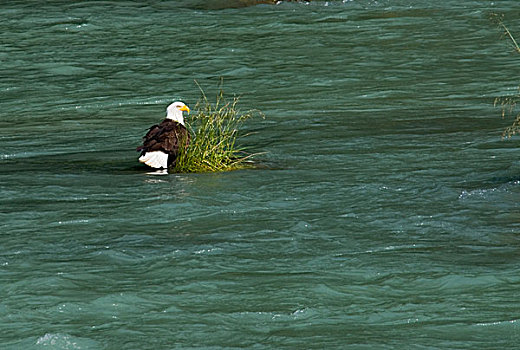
(214, 130)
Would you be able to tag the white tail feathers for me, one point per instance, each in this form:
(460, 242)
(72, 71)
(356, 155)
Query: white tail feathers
(156, 159)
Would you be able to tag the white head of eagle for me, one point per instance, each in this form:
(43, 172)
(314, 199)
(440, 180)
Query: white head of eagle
(162, 142)
(174, 111)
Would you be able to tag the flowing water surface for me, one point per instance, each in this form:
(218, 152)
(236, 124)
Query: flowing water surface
(385, 213)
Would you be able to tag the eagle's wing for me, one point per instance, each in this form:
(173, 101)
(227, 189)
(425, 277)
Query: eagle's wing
(162, 143)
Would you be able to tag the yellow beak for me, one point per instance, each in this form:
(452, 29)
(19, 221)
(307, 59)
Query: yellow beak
(185, 108)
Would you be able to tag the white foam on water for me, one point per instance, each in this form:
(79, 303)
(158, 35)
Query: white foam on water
(64, 341)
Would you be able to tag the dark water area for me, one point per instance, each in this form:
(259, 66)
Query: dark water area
(385, 214)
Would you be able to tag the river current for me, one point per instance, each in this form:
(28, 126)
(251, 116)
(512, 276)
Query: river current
(384, 212)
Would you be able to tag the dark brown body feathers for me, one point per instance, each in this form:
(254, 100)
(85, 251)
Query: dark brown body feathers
(166, 137)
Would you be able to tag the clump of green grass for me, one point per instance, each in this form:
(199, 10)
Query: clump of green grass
(215, 129)
(508, 103)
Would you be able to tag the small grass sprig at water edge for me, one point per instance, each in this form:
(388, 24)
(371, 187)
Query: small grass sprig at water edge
(508, 103)
(214, 130)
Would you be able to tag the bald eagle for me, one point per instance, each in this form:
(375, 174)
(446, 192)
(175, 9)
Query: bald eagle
(161, 143)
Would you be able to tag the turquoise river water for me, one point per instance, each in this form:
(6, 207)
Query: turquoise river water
(385, 213)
